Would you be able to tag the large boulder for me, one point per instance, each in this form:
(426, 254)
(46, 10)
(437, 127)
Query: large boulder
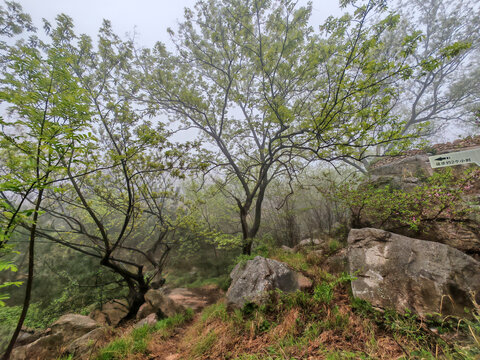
(84, 346)
(395, 271)
(63, 331)
(251, 280)
(111, 312)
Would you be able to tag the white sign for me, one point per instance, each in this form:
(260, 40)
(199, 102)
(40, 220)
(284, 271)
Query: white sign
(456, 158)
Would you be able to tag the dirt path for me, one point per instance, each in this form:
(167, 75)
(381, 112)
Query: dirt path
(197, 299)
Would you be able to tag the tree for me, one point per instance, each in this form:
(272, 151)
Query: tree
(112, 197)
(47, 115)
(268, 95)
(444, 88)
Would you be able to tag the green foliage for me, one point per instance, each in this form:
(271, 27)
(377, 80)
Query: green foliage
(439, 197)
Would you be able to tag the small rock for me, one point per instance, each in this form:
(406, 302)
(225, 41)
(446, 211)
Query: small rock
(287, 249)
(304, 283)
(149, 320)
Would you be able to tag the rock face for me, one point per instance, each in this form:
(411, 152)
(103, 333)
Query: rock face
(63, 331)
(394, 271)
(83, 347)
(250, 281)
(407, 173)
(111, 312)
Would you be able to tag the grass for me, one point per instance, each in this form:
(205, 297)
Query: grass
(325, 322)
(136, 342)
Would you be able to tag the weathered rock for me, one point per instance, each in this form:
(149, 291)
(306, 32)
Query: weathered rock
(45, 348)
(405, 171)
(304, 283)
(162, 303)
(288, 249)
(111, 312)
(394, 271)
(149, 320)
(250, 281)
(27, 336)
(308, 244)
(337, 263)
(83, 347)
(63, 331)
(145, 310)
(71, 326)
(409, 172)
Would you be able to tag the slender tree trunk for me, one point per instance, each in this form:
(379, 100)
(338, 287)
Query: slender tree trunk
(28, 290)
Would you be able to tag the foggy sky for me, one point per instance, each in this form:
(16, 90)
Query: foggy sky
(148, 18)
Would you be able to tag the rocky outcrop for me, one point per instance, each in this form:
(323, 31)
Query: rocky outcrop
(394, 271)
(64, 331)
(409, 172)
(253, 279)
(111, 312)
(84, 346)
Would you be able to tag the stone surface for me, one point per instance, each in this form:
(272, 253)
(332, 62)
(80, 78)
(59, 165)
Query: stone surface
(308, 244)
(287, 249)
(408, 172)
(27, 336)
(83, 347)
(45, 348)
(111, 312)
(162, 304)
(145, 310)
(63, 331)
(251, 280)
(148, 320)
(394, 271)
(67, 330)
(337, 263)
(304, 283)
(71, 326)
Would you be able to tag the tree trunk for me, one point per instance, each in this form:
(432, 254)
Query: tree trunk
(136, 298)
(28, 290)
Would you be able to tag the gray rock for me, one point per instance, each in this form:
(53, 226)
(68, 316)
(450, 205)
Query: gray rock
(84, 346)
(250, 281)
(63, 331)
(45, 348)
(337, 263)
(159, 302)
(27, 336)
(287, 249)
(149, 320)
(308, 244)
(394, 271)
(111, 312)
